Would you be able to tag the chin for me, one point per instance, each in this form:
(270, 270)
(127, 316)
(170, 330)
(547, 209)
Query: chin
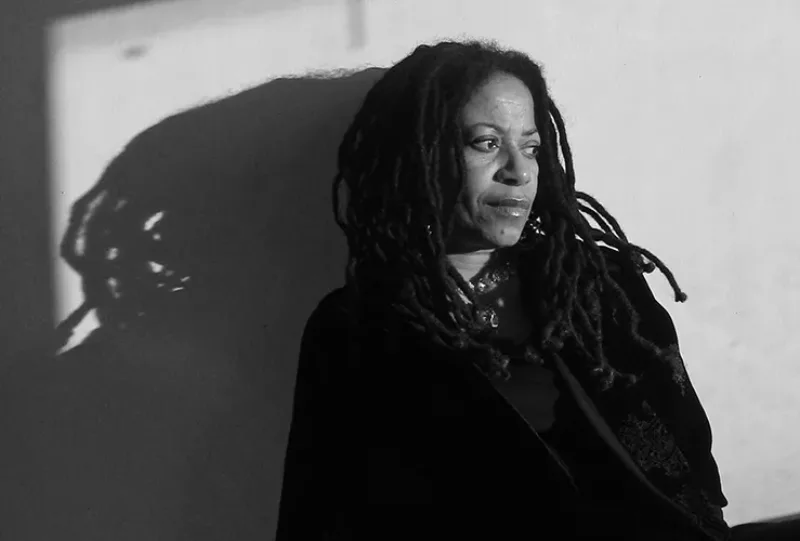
(506, 239)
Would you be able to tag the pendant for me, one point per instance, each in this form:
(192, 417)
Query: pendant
(492, 279)
(488, 316)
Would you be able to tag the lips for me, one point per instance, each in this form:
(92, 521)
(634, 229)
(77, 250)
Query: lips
(510, 202)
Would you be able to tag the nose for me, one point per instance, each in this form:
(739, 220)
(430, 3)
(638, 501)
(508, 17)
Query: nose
(518, 169)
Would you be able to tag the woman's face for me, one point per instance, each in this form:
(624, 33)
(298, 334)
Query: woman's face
(501, 170)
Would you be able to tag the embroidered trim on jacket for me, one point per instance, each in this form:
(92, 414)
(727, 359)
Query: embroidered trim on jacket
(678, 369)
(651, 445)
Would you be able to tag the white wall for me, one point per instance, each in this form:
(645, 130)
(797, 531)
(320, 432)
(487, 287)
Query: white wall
(683, 119)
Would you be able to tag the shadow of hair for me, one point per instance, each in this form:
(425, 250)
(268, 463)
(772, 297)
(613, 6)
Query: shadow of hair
(242, 191)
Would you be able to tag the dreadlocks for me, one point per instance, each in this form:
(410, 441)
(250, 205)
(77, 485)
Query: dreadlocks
(401, 163)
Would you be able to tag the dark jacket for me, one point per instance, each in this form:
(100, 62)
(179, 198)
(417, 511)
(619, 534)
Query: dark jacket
(401, 439)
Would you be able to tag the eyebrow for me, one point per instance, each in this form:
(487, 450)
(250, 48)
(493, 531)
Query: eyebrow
(528, 133)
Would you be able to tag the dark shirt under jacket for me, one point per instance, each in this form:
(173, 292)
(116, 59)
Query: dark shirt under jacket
(397, 438)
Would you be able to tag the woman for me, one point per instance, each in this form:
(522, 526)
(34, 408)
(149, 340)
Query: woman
(496, 365)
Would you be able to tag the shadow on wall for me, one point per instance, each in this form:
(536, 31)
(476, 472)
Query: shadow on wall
(175, 428)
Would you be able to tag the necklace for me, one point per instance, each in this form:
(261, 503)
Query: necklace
(486, 282)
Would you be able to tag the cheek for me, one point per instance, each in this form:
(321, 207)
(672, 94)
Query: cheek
(477, 181)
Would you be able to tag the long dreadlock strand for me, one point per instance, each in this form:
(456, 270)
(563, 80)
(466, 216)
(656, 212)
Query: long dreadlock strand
(566, 151)
(599, 209)
(584, 231)
(598, 219)
(680, 296)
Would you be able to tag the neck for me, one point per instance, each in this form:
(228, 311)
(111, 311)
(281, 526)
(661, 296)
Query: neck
(470, 264)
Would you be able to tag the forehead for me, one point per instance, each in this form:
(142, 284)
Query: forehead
(501, 97)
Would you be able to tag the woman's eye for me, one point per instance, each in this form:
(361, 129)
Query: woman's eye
(531, 151)
(485, 145)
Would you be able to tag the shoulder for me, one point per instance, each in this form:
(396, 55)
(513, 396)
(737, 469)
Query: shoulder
(328, 330)
(655, 322)
(332, 311)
